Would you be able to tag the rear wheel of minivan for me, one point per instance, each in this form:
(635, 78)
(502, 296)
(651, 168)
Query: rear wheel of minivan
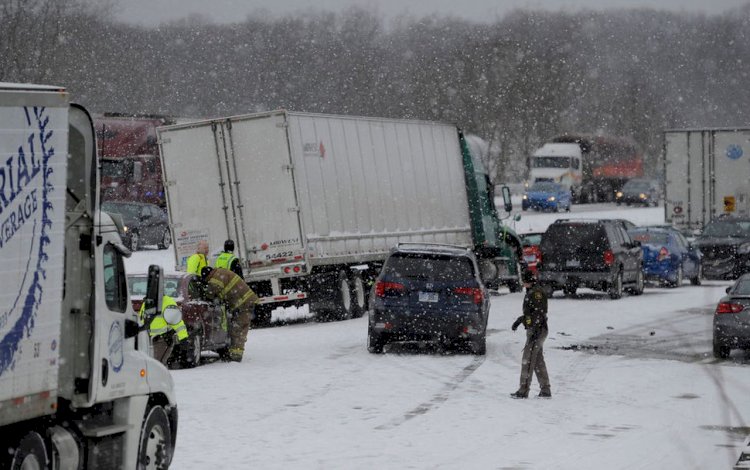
(615, 290)
(479, 345)
(375, 342)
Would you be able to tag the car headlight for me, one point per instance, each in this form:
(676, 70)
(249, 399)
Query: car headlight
(551, 199)
(642, 196)
(744, 249)
(125, 228)
(525, 196)
(618, 194)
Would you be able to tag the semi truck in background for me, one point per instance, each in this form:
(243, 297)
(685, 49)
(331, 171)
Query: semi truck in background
(595, 167)
(129, 157)
(707, 175)
(78, 388)
(315, 202)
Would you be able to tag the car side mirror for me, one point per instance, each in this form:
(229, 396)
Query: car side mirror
(131, 328)
(172, 316)
(728, 289)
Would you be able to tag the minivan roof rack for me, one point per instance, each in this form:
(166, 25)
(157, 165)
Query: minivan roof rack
(431, 245)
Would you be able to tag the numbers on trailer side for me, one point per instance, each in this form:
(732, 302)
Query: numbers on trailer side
(281, 254)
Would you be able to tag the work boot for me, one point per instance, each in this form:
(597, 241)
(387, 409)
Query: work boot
(235, 354)
(545, 394)
(519, 394)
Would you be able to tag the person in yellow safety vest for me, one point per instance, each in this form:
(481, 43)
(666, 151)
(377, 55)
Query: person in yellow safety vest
(231, 289)
(159, 329)
(227, 260)
(198, 261)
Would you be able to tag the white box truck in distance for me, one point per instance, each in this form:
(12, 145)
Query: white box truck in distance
(77, 386)
(707, 174)
(315, 202)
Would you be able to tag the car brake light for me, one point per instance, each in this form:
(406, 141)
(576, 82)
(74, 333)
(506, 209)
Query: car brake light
(726, 307)
(475, 292)
(609, 257)
(381, 288)
(663, 253)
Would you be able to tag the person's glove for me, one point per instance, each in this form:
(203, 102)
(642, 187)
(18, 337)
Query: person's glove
(516, 323)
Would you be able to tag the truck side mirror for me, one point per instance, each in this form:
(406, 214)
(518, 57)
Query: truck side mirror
(154, 289)
(507, 203)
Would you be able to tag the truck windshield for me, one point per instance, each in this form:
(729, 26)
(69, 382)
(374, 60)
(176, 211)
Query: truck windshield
(115, 169)
(727, 228)
(550, 162)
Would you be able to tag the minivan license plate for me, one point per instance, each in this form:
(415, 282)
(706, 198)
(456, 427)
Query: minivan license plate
(573, 263)
(428, 297)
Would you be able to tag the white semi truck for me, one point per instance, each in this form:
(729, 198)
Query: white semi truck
(707, 175)
(315, 202)
(78, 388)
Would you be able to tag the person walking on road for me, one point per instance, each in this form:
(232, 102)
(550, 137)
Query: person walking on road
(198, 261)
(240, 300)
(534, 319)
(227, 260)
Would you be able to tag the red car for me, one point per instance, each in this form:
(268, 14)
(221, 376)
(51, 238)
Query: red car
(532, 255)
(206, 322)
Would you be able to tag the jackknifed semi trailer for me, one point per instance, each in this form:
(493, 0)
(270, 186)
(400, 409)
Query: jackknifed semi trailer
(315, 202)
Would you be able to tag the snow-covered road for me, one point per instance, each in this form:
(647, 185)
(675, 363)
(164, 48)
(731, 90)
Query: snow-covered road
(634, 386)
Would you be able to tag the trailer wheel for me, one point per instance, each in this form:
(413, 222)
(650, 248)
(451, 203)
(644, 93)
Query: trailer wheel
(30, 454)
(156, 440)
(344, 306)
(359, 295)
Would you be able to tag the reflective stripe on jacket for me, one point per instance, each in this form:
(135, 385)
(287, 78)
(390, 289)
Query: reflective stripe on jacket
(230, 288)
(159, 325)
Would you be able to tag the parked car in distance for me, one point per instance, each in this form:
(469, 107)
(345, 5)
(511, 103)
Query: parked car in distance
(725, 244)
(598, 254)
(429, 292)
(144, 224)
(667, 256)
(532, 254)
(206, 322)
(547, 196)
(639, 191)
(731, 326)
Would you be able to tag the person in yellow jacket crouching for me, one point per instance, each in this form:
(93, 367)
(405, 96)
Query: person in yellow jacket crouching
(160, 331)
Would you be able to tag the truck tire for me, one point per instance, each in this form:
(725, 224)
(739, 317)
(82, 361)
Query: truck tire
(262, 315)
(344, 306)
(155, 450)
(359, 295)
(615, 290)
(166, 240)
(30, 453)
(678, 278)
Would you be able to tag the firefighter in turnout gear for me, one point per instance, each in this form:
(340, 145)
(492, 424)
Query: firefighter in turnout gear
(162, 333)
(198, 261)
(227, 260)
(239, 299)
(534, 319)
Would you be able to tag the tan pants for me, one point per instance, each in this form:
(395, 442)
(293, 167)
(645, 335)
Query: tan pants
(162, 348)
(533, 361)
(240, 325)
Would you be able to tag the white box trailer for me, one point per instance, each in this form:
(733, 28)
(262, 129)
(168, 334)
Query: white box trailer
(306, 197)
(77, 389)
(707, 174)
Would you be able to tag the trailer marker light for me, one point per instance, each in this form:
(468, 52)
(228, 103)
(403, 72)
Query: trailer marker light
(297, 269)
(143, 372)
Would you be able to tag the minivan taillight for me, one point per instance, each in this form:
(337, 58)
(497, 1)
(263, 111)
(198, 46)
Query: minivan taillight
(609, 257)
(474, 292)
(727, 307)
(663, 253)
(393, 288)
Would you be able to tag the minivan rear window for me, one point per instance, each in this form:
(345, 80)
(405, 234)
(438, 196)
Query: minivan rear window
(433, 268)
(574, 236)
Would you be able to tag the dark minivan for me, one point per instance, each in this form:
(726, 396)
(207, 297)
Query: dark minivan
(429, 292)
(598, 254)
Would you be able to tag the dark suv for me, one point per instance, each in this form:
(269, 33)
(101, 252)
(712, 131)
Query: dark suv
(598, 254)
(429, 292)
(725, 244)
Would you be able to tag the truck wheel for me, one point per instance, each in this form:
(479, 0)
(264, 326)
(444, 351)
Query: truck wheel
(156, 440)
(359, 296)
(135, 240)
(344, 305)
(166, 240)
(678, 278)
(191, 354)
(615, 290)
(30, 453)
(570, 290)
(262, 316)
(639, 284)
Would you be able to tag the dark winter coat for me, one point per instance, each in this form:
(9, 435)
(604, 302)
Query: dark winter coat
(534, 310)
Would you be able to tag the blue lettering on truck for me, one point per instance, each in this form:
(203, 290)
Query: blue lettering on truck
(25, 185)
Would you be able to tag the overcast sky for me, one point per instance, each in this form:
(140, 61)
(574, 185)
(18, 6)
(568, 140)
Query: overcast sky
(152, 12)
